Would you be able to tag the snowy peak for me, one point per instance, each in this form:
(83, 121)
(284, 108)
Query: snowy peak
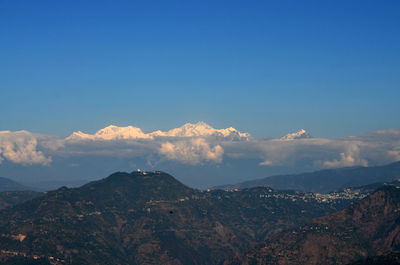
(200, 129)
(187, 130)
(111, 132)
(115, 132)
(78, 136)
(302, 134)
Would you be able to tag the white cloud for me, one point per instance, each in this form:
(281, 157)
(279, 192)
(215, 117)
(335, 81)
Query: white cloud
(371, 149)
(395, 153)
(21, 147)
(194, 151)
(266, 163)
(283, 152)
(351, 157)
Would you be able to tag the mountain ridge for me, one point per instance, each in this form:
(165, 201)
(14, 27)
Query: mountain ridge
(147, 218)
(326, 180)
(7, 184)
(199, 129)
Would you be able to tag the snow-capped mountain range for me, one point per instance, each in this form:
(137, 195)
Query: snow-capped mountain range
(111, 132)
(199, 129)
(202, 129)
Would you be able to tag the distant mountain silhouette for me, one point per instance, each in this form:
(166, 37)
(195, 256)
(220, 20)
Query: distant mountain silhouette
(147, 218)
(369, 227)
(11, 185)
(325, 180)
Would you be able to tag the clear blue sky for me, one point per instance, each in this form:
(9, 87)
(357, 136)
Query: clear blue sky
(266, 67)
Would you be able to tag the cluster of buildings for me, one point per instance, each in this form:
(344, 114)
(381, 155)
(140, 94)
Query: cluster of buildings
(346, 194)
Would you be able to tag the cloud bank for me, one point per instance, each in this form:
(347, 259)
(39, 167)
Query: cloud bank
(201, 144)
(194, 151)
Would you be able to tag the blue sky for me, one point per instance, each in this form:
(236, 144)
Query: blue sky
(265, 67)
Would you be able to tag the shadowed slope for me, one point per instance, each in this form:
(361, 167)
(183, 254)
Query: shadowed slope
(326, 180)
(367, 228)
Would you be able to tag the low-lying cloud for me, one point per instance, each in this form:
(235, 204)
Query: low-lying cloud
(199, 144)
(194, 151)
(351, 157)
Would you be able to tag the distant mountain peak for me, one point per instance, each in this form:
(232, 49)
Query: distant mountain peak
(202, 129)
(111, 132)
(301, 134)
